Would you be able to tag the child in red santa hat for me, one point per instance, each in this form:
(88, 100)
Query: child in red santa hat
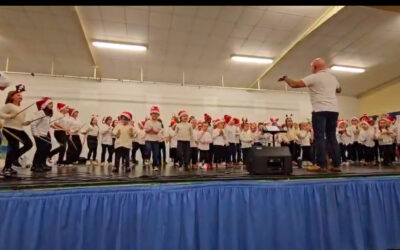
(152, 128)
(366, 141)
(208, 120)
(345, 138)
(238, 153)
(141, 139)
(354, 147)
(74, 143)
(41, 133)
(124, 133)
(173, 143)
(385, 137)
(204, 139)
(61, 132)
(183, 136)
(230, 133)
(218, 136)
(194, 151)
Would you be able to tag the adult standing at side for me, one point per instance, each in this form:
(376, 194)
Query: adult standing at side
(323, 88)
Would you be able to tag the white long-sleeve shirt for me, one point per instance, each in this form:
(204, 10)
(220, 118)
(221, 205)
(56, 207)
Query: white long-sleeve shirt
(256, 136)
(291, 134)
(204, 139)
(183, 131)
(60, 120)
(173, 142)
(106, 134)
(246, 139)
(230, 133)
(125, 138)
(237, 135)
(346, 137)
(304, 137)
(156, 125)
(141, 137)
(7, 111)
(355, 130)
(40, 127)
(366, 137)
(74, 125)
(162, 135)
(383, 138)
(218, 139)
(194, 140)
(93, 130)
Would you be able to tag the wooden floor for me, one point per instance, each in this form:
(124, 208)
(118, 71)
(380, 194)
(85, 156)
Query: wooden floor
(82, 175)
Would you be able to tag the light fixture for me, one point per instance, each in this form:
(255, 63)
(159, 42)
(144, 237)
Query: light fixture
(251, 59)
(347, 69)
(119, 46)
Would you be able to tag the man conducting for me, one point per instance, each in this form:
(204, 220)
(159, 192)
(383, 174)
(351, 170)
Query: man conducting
(323, 88)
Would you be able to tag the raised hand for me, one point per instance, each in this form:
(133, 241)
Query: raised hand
(282, 79)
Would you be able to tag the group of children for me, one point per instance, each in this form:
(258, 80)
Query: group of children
(368, 141)
(192, 143)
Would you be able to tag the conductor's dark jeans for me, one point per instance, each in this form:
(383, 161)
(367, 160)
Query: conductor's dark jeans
(324, 125)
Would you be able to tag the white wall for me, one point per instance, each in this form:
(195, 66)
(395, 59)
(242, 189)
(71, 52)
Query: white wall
(111, 98)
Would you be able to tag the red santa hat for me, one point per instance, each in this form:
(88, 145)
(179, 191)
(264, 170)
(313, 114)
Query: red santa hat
(365, 122)
(154, 110)
(42, 103)
(218, 121)
(386, 118)
(236, 121)
(227, 118)
(207, 118)
(364, 117)
(142, 123)
(354, 118)
(4, 83)
(71, 111)
(182, 113)
(127, 115)
(173, 123)
(343, 121)
(61, 106)
(199, 123)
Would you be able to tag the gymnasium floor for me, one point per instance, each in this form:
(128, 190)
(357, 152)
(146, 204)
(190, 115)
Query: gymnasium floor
(81, 175)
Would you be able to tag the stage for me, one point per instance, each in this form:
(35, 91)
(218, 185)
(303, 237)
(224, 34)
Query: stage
(82, 175)
(333, 213)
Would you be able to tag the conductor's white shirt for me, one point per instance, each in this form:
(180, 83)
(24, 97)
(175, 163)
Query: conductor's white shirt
(322, 87)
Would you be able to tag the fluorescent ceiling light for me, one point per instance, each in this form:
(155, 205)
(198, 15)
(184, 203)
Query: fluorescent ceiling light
(252, 59)
(348, 69)
(120, 46)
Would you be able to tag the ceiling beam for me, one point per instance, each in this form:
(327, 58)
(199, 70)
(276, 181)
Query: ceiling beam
(331, 11)
(96, 70)
(388, 8)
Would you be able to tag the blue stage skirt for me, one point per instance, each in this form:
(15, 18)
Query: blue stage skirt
(339, 214)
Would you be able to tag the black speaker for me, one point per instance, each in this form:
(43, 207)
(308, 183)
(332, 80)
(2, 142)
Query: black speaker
(268, 160)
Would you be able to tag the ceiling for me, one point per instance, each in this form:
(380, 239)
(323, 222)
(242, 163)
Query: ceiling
(196, 42)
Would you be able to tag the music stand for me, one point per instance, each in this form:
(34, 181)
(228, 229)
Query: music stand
(273, 130)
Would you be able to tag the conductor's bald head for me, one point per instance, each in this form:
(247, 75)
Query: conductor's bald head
(317, 64)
